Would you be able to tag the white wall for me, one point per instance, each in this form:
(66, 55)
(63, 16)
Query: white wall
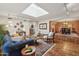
(35, 23)
(44, 31)
(27, 25)
(11, 28)
(36, 26)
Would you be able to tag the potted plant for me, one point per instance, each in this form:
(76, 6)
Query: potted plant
(2, 30)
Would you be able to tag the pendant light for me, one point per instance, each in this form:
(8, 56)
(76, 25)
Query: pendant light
(67, 14)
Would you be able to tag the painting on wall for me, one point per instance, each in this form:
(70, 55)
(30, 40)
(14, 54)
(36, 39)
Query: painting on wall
(43, 26)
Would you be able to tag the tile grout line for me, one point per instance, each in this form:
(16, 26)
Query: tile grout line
(48, 49)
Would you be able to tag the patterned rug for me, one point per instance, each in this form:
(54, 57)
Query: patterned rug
(42, 47)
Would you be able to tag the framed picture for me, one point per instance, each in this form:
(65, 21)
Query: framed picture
(43, 26)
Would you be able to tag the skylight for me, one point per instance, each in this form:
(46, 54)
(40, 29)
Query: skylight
(35, 11)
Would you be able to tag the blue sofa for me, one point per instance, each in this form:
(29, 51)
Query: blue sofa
(14, 48)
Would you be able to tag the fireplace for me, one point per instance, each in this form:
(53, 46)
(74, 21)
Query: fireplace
(65, 30)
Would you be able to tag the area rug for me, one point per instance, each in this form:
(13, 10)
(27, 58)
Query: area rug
(42, 47)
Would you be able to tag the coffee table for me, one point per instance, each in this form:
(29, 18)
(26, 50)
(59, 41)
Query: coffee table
(29, 53)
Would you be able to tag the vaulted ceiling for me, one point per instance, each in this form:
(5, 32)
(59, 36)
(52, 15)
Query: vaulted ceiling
(55, 11)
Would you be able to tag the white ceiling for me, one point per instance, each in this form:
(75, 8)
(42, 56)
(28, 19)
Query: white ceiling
(34, 11)
(55, 10)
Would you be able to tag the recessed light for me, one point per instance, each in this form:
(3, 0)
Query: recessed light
(35, 11)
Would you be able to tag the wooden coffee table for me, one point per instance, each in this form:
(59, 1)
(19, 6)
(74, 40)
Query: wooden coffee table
(29, 53)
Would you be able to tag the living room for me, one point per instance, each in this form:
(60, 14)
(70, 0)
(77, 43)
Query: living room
(39, 29)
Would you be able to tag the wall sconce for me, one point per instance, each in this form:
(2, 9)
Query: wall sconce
(11, 24)
(7, 26)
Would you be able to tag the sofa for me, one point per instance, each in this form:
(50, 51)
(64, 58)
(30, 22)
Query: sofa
(14, 48)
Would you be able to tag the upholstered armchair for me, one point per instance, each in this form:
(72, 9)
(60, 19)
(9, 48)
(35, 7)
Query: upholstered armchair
(50, 36)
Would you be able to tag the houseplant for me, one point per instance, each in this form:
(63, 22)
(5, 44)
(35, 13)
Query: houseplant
(2, 30)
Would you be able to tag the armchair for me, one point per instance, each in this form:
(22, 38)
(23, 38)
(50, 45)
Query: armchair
(50, 36)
